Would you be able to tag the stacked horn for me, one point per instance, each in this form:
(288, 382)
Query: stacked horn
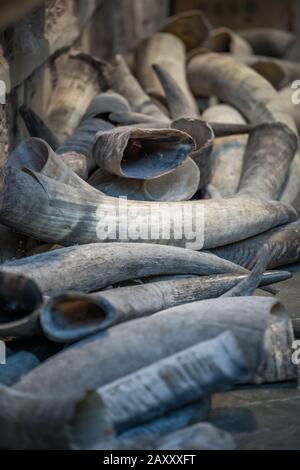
(156, 209)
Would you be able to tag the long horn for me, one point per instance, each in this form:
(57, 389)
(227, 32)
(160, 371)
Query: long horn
(283, 245)
(200, 436)
(225, 40)
(120, 79)
(37, 127)
(228, 152)
(192, 27)
(144, 341)
(236, 84)
(179, 103)
(169, 51)
(243, 88)
(101, 265)
(203, 136)
(269, 153)
(71, 316)
(141, 153)
(17, 365)
(77, 85)
(76, 421)
(50, 211)
(177, 380)
(287, 94)
(20, 300)
(269, 41)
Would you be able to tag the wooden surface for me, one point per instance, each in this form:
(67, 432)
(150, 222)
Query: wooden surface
(239, 14)
(12, 10)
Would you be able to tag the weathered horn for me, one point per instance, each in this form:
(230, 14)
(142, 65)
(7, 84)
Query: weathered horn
(72, 316)
(228, 152)
(78, 83)
(238, 85)
(200, 436)
(51, 211)
(291, 69)
(141, 153)
(269, 41)
(169, 51)
(78, 149)
(271, 71)
(283, 244)
(20, 300)
(178, 103)
(120, 79)
(179, 185)
(16, 366)
(101, 265)
(37, 127)
(75, 421)
(36, 155)
(177, 380)
(226, 40)
(203, 136)
(269, 153)
(192, 27)
(144, 341)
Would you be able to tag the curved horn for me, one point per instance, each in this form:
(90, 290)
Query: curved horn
(228, 152)
(76, 87)
(136, 344)
(177, 380)
(141, 153)
(169, 51)
(101, 261)
(179, 103)
(269, 41)
(121, 80)
(269, 153)
(225, 40)
(283, 245)
(53, 212)
(71, 317)
(97, 217)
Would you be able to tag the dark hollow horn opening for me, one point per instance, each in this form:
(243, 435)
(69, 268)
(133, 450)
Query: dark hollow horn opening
(154, 157)
(19, 297)
(32, 154)
(77, 313)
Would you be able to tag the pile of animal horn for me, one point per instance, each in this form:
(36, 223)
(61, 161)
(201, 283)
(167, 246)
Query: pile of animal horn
(142, 219)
